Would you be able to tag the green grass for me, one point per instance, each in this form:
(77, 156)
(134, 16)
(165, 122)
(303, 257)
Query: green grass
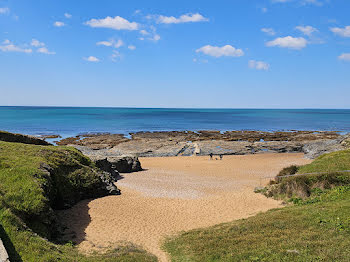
(321, 173)
(28, 194)
(316, 228)
(309, 231)
(336, 161)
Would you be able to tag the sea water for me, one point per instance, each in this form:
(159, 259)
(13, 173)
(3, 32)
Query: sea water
(70, 121)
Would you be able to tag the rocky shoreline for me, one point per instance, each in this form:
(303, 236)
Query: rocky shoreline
(188, 143)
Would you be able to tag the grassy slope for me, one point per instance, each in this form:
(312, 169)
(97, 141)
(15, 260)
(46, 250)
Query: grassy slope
(336, 161)
(317, 229)
(26, 197)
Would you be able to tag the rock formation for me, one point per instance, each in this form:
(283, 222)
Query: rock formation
(116, 164)
(187, 143)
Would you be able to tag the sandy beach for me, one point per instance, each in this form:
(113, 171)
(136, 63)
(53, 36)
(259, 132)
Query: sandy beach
(175, 194)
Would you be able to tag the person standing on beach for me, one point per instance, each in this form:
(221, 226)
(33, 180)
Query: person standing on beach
(211, 156)
(221, 156)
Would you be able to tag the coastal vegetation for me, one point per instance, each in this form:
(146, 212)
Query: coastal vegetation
(325, 172)
(36, 180)
(316, 227)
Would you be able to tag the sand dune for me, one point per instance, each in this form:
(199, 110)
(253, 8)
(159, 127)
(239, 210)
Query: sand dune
(172, 195)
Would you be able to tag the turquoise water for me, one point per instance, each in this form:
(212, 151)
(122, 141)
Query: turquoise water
(69, 121)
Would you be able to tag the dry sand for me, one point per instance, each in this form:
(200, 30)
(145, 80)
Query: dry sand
(175, 194)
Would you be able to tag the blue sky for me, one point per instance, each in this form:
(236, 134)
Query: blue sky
(209, 54)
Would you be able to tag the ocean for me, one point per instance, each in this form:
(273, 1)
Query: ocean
(70, 121)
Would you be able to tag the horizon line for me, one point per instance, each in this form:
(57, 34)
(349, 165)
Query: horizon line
(218, 108)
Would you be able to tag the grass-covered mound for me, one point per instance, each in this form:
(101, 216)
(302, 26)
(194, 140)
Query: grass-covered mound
(322, 173)
(19, 138)
(35, 180)
(316, 228)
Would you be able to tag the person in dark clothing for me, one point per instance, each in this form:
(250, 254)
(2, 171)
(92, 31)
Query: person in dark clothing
(211, 156)
(220, 156)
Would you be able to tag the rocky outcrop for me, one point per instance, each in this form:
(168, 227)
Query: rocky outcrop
(108, 141)
(199, 148)
(250, 136)
(188, 143)
(103, 164)
(125, 164)
(116, 164)
(94, 141)
(314, 149)
(19, 138)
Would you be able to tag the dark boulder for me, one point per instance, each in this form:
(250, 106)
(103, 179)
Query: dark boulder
(116, 164)
(105, 165)
(125, 164)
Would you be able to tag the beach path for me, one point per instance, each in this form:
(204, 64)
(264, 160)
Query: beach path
(175, 194)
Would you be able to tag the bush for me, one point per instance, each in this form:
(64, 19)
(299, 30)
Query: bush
(323, 175)
(287, 171)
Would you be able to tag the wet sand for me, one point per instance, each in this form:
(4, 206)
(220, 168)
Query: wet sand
(175, 194)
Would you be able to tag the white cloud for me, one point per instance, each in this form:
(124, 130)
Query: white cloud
(149, 35)
(156, 37)
(4, 10)
(306, 30)
(105, 43)
(259, 65)
(144, 32)
(113, 43)
(116, 23)
(92, 59)
(217, 51)
(59, 24)
(67, 15)
(186, 18)
(119, 43)
(344, 57)
(264, 10)
(7, 46)
(344, 32)
(36, 43)
(115, 56)
(132, 47)
(200, 61)
(44, 50)
(288, 42)
(41, 47)
(268, 31)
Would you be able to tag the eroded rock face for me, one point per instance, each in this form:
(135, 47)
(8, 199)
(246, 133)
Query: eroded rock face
(314, 149)
(116, 164)
(24, 139)
(125, 164)
(103, 164)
